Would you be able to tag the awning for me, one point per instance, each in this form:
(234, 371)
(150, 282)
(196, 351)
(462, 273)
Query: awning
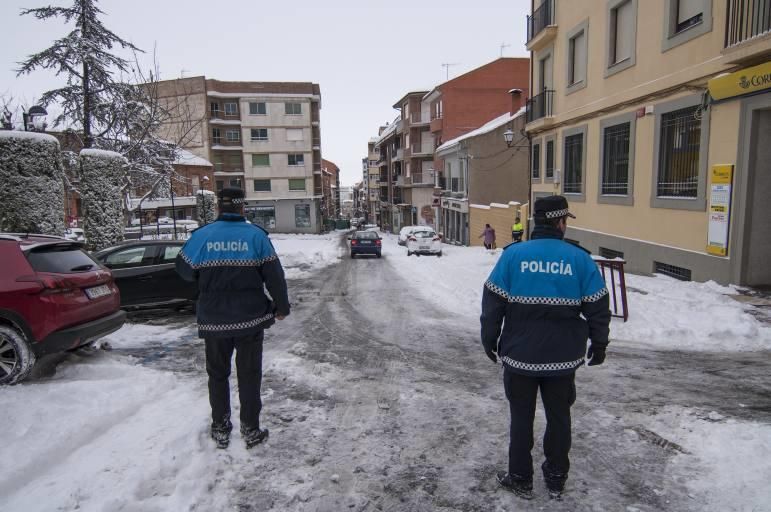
(744, 81)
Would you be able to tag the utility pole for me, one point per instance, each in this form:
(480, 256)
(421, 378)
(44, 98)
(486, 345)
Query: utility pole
(446, 67)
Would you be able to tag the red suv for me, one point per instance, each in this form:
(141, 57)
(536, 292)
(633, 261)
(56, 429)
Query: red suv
(53, 297)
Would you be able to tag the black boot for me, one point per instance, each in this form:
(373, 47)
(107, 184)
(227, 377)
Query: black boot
(253, 436)
(220, 432)
(521, 487)
(555, 481)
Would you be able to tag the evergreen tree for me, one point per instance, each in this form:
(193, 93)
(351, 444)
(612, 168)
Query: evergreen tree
(85, 58)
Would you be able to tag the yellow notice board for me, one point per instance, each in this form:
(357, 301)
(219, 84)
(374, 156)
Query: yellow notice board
(745, 81)
(721, 179)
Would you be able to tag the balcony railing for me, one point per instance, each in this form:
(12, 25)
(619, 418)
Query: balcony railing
(220, 114)
(423, 149)
(746, 19)
(541, 18)
(419, 118)
(540, 106)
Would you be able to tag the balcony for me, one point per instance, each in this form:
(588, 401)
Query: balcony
(747, 22)
(419, 119)
(425, 149)
(541, 29)
(398, 156)
(436, 124)
(220, 117)
(540, 107)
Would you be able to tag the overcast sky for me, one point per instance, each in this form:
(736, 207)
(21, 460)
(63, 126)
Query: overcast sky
(365, 54)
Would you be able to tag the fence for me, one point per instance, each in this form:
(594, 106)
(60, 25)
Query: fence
(614, 268)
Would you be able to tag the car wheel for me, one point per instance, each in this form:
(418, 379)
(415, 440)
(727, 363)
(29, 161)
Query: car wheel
(353, 256)
(409, 253)
(439, 254)
(16, 357)
(379, 255)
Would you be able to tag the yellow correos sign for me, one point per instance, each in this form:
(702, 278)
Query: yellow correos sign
(745, 81)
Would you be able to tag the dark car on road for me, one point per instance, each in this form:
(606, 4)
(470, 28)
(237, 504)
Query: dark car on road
(365, 242)
(144, 272)
(53, 297)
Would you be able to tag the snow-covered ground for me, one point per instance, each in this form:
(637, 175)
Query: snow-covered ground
(127, 429)
(664, 313)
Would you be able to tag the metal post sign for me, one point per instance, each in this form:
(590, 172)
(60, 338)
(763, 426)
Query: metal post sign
(719, 209)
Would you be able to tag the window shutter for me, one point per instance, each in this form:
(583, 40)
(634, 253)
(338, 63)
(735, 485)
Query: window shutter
(687, 9)
(625, 20)
(579, 64)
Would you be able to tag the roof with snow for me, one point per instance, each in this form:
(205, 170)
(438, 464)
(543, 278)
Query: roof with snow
(185, 157)
(35, 136)
(388, 131)
(485, 128)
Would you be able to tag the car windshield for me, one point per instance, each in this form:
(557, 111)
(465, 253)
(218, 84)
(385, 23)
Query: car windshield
(367, 235)
(61, 259)
(424, 234)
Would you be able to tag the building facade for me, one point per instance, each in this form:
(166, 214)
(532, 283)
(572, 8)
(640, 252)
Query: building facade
(263, 137)
(660, 153)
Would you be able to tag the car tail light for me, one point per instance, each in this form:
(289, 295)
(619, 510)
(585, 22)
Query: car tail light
(50, 285)
(377, 242)
(412, 239)
(353, 242)
(436, 239)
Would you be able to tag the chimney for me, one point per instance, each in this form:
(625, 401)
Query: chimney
(517, 100)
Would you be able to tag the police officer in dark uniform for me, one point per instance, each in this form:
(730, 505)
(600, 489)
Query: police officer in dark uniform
(532, 309)
(233, 262)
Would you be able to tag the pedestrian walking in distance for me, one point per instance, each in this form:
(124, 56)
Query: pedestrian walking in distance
(489, 237)
(233, 262)
(532, 307)
(517, 230)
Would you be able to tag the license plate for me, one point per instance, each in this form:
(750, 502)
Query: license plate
(98, 291)
(366, 242)
(424, 247)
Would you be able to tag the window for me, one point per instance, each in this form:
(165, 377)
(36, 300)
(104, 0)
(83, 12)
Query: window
(536, 163)
(294, 134)
(260, 160)
(577, 56)
(296, 159)
(220, 185)
(170, 253)
(215, 108)
(615, 160)
(132, 257)
(235, 161)
(259, 134)
(293, 109)
(235, 182)
(233, 135)
(302, 215)
(549, 171)
(297, 184)
(679, 147)
(216, 136)
(685, 20)
(262, 185)
(574, 164)
(689, 13)
(622, 35)
(257, 109)
(61, 259)
(231, 109)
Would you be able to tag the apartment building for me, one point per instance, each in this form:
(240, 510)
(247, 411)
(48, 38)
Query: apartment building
(371, 179)
(332, 205)
(392, 208)
(654, 119)
(263, 137)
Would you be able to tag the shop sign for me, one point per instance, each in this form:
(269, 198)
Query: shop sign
(719, 209)
(745, 81)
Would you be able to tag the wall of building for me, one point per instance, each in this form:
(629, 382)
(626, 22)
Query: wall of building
(186, 101)
(500, 217)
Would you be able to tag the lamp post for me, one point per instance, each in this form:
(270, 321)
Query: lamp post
(30, 115)
(508, 136)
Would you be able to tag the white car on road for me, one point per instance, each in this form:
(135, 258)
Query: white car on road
(424, 241)
(406, 231)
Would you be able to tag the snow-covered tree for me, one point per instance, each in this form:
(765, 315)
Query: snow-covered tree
(205, 201)
(85, 57)
(31, 183)
(102, 174)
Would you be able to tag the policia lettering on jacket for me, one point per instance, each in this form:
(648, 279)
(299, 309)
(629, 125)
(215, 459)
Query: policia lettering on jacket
(543, 300)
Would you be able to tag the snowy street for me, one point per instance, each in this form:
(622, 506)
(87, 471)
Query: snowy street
(378, 396)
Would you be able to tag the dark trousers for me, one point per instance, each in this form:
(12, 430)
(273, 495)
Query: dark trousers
(558, 395)
(219, 352)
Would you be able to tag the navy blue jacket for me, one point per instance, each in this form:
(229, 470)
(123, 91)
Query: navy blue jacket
(233, 261)
(539, 291)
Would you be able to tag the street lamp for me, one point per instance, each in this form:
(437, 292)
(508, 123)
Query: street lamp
(508, 136)
(30, 115)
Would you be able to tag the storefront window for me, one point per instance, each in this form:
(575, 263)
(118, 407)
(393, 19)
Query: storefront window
(302, 216)
(263, 216)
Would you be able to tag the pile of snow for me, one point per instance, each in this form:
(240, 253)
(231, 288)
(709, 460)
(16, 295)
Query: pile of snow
(301, 254)
(102, 176)
(31, 183)
(664, 313)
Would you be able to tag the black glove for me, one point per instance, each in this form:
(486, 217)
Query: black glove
(491, 354)
(596, 356)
